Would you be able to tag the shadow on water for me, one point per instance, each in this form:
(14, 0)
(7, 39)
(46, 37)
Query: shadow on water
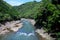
(27, 32)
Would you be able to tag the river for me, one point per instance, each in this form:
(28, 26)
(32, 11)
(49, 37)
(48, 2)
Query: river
(27, 32)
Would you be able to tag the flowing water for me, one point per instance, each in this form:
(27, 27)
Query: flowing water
(27, 32)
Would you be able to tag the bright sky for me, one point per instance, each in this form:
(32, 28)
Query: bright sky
(18, 2)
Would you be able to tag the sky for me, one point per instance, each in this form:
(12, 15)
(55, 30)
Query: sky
(18, 2)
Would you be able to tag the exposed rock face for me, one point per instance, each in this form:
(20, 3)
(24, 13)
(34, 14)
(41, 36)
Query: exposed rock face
(12, 26)
(42, 35)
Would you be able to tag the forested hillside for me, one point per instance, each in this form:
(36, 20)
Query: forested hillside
(46, 13)
(7, 12)
(50, 18)
(29, 9)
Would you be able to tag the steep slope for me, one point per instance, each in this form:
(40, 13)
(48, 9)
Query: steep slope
(50, 18)
(7, 12)
(28, 10)
(4, 10)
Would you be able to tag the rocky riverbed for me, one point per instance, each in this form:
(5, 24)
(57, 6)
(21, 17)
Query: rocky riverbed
(10, 27)
(42, 35)
(13, 26)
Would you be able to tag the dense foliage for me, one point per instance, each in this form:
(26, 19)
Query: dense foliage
(28, 10)
(46, 13)
(7, 12)
(50, 18)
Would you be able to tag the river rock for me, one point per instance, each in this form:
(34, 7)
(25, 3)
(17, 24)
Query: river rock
(12, 26)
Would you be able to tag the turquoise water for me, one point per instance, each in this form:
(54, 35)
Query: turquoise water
(27, 32)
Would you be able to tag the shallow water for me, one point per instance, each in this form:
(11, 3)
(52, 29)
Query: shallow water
(27, 32)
